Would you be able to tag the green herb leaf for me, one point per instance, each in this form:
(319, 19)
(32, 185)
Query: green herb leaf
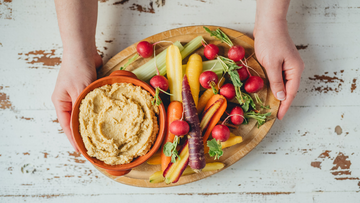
(156, 101)
(170, 149)
(258, 100)
(220, 35)
(248, 101)
(260, 118)
(214, 149)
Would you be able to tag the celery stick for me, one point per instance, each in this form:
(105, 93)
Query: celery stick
(148, 70)
(191, 46)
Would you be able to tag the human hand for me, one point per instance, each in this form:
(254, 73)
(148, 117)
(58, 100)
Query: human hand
(277, 53)
(75, 74)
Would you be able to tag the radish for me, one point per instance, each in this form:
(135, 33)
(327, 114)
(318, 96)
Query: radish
(228, 91)
(237, 115)
(179, 127)
(220, 133)
(209, 79)
(145, 49)
(243, 73)
(210, 51)
(236, 52)
(254, 84)
(159, 81)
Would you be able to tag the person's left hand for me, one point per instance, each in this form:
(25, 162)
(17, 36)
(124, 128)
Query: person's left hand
(277, 53)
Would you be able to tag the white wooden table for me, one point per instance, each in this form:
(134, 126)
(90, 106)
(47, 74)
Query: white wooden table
(313, 155)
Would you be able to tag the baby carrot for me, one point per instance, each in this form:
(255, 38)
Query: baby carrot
(216, 117)
(174, 112)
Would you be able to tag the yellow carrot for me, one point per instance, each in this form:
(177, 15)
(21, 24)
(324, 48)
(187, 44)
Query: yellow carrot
(193, 71)
(233, 140)
(174, 72)
(158, 177)
(207, 95)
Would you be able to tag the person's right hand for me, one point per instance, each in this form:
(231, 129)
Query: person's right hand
(75, 74)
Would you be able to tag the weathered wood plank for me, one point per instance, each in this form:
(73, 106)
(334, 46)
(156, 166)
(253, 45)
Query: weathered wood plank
(311, 156)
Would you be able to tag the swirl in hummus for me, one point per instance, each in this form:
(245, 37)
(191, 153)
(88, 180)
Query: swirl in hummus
(118, 123)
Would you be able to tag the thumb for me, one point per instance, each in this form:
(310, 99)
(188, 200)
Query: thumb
(276, 81)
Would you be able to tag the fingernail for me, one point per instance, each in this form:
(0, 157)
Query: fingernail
(280, 95)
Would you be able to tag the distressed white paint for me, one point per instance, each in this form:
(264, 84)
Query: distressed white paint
(281, 164)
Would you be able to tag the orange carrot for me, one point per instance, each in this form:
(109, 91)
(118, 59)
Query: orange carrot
(216, 117)
(207, 95)
(174, 112)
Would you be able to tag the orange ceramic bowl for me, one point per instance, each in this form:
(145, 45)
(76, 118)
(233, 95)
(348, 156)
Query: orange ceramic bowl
(119, 76)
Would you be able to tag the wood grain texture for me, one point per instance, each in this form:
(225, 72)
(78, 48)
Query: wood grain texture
(279, 170)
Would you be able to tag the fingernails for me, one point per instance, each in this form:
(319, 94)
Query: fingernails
(280, 95)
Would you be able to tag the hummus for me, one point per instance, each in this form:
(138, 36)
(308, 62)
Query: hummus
(118, 123)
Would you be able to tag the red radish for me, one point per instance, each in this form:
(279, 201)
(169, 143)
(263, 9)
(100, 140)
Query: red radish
(159, 81)
(220, 133)
(179, 128)
(243, 73)
(236, 53)
(209, 79)
(237, 115)
(145, 49)
(210, 51)
(254, 84)
(228, 91)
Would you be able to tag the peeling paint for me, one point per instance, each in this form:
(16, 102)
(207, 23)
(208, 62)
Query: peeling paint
(120, 2)
(4, 101)
(338, 130)
(25, 118)
(75, 154)
(301, 46)
(353, 85)
(6, 9)
(316, 164)
(327, 80)
(341, 165)
(160, 3)
(141, 9)
(44, 57)
(45, 154)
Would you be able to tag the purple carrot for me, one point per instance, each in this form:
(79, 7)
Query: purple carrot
(196, 146)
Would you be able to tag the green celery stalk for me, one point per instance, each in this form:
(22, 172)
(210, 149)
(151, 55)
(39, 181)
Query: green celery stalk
(191, 46)
(148, 70)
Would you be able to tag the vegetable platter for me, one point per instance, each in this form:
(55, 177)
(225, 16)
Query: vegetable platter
(222, 149)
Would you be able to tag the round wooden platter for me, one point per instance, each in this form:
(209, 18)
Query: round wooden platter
(251, 134)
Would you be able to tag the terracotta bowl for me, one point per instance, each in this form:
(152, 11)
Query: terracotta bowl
(119, 76)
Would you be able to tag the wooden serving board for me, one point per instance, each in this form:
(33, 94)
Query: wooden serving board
(252, 135)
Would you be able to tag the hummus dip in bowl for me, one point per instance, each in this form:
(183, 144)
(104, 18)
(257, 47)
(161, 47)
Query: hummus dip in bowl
(114, 124)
